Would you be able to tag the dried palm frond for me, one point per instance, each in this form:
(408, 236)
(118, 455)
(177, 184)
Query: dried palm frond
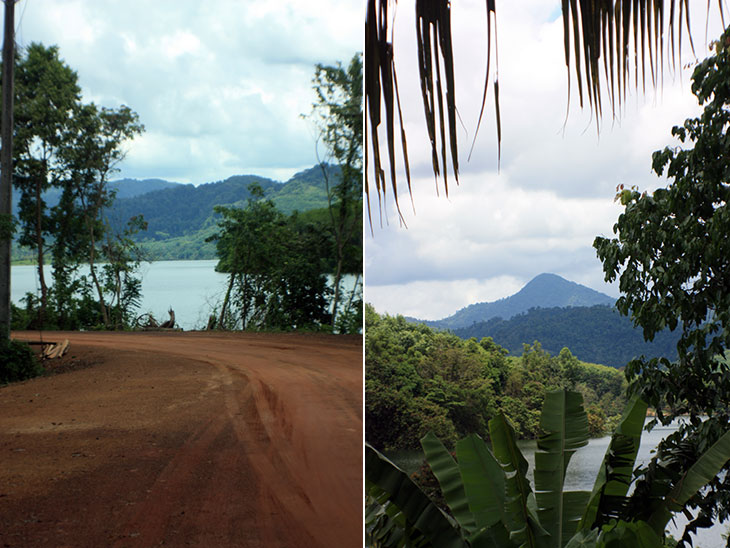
(604, 40)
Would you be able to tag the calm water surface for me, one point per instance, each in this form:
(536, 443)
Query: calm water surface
(582, 470)
(191, 288)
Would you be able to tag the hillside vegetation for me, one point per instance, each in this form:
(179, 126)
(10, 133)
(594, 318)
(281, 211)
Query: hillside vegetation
(181, 217)
(420, 380)
(597, 334)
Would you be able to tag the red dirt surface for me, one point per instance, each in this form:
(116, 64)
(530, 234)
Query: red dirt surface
(186, 439)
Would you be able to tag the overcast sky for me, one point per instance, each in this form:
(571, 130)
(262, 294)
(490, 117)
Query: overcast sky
(220, 86)
(554, 192)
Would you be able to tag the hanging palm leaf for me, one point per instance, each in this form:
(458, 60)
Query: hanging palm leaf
(604, 42)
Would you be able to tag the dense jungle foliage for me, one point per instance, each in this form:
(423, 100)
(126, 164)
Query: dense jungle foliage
(597, 334)
(418, 380)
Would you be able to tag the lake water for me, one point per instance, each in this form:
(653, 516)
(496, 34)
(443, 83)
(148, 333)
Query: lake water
(191, 288)
(581, 474)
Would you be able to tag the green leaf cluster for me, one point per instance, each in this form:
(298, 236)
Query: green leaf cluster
(68, 148)
(419, 380)
(19, 362)
(493, 505)
(670, 255)
(275, 265)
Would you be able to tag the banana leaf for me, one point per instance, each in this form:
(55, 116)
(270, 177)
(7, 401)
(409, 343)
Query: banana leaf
(699, 474)
(520, 506)
(382, 477)
(483, 480)
(484, 485)
(385, 525)
(614, 475)
(447, 473)
(565, 427)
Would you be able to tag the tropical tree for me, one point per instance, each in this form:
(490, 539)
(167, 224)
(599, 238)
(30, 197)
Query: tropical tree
(670, 257)
(492, 503)
(601, 39)
(121, 285)
(94, 146)
(338, 117)
(275, 267)
(47, 92)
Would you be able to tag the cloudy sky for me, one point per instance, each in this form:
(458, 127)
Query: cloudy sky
(220, 86)
(554, 192)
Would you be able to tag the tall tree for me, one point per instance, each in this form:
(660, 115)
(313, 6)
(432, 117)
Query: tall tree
(47, 93)
(94, 146)
(672, 259)
(275, 266)
(338, 116)
(244, 245)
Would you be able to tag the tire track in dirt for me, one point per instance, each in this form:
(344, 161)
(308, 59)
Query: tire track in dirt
(276, 459)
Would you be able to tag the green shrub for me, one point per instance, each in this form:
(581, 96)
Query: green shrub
(17, 362)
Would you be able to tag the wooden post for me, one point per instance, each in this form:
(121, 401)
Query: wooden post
(6, 169)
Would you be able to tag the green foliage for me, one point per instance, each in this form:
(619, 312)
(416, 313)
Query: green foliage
(275, 267)
(46, 92)
(67, 148)
(598, 334)
(418, 379)
(121, 287)
(492, 503)
(18, 362)
(338, 117)
(670, 257)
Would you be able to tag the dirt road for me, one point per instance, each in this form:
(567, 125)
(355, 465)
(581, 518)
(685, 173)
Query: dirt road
(186, 439)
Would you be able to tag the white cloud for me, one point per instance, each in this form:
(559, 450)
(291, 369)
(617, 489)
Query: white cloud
(554, 191)
(220, 87)
(179, 43)
(433, 300)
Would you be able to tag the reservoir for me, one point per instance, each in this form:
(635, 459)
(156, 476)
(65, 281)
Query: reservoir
(191, 288)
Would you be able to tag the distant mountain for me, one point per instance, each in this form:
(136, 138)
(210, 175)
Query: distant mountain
(543, 291)
(125, 188)
(183, 210)
(129, 188)
(596, 334)
(180, 216)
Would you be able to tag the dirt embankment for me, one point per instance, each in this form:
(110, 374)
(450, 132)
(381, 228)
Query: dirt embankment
(186, 439)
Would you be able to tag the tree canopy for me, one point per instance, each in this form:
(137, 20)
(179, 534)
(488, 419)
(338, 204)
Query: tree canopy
(671, 258)
(419, 380)
(64, 145)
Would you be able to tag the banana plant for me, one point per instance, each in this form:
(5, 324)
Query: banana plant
(493, 505)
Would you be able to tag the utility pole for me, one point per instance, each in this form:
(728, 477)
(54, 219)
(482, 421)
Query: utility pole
(6, 170)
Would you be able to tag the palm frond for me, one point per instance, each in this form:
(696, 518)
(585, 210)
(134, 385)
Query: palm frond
(604, 42)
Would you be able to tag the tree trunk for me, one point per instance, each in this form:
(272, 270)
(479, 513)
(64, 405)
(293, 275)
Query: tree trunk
(224, 307)
(338, 279)
(39, 245)
(97, 284)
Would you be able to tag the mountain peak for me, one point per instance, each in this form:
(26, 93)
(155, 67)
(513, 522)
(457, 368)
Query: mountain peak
(543, 291)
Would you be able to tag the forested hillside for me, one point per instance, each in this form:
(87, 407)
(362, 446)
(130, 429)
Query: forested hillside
(180, 217)
(597, 334)
(185, 209)
(544, 291)
(124, 188)
(419, 380)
